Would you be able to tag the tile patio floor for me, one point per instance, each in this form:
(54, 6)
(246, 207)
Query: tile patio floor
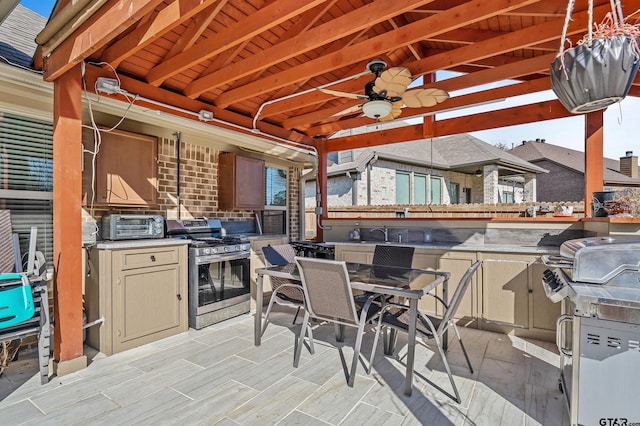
(217, 376)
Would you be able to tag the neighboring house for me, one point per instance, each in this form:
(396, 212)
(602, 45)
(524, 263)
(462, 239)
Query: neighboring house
(450, 170)
(565, 180)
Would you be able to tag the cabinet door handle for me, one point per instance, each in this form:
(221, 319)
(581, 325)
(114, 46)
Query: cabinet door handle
(153, 258)
(179, 296)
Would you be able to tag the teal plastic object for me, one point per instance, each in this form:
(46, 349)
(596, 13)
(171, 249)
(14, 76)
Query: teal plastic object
(16, 300)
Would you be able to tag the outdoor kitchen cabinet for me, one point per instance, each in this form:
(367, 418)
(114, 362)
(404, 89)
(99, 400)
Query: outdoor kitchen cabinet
(140, 292)
(513, 296)
(240, 182)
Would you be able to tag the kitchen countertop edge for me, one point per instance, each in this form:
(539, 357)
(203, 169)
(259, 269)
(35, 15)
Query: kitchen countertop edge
(502, 248)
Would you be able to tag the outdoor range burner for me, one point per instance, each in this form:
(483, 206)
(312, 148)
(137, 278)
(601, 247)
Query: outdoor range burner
(597, 280)
(219, 271)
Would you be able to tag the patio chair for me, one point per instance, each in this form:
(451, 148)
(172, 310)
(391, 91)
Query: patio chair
(393, 256)
(396, 317)
(284, 292)
(329, 297)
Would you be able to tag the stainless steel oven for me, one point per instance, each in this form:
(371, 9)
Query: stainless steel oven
(219, 271)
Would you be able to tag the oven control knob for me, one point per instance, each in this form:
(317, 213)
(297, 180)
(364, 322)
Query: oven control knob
(207, 250)
(214, 250)
(227, 249)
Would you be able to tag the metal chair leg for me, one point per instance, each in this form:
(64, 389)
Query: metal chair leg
(296, 315)
(303, 332)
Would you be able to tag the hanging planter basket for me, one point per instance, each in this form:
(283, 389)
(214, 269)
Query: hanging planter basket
(592, 77)
(600, 70)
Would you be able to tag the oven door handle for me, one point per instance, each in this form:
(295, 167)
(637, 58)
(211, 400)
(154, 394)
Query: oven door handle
(203, 260)
(560, 334)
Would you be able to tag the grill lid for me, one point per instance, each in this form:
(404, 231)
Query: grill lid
(604, 260)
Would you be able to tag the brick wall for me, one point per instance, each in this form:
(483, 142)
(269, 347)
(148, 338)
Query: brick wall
(198, 187)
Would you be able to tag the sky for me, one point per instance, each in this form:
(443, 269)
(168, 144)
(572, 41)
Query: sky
(620, 132)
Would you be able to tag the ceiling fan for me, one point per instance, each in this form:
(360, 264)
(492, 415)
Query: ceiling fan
(386, 94)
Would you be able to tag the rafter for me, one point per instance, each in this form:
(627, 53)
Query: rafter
(456, 17)
(323, 34)
(196, 27)
(176, 13)
(456, 102)
(94, 34)
(539, 111)
(263, 19)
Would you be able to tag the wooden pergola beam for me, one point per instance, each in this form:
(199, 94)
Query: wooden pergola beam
(448, 20)
(111, 21)
(267, 17)
(314, 38)
(175, 14)
(539, 111)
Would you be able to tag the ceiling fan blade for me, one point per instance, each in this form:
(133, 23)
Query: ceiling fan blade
(396, 110)
(343, 94)
(417, 98)
(394, 80)
(347, 111)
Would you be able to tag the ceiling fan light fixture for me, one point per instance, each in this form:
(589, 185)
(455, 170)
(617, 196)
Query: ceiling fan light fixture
(376, 109)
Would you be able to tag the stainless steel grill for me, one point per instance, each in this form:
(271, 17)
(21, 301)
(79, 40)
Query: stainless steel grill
(597, 280)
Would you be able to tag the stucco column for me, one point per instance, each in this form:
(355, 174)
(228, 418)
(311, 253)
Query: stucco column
(490, 184)
(529, 188)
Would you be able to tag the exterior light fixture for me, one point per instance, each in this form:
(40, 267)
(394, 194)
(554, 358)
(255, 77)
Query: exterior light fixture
(376, 109)
(205, 115)
(478, 173)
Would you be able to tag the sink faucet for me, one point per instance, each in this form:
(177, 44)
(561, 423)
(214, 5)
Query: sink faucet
(384, 230)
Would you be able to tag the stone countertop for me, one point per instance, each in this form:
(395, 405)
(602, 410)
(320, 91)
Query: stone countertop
(499, 248)
(144, 243)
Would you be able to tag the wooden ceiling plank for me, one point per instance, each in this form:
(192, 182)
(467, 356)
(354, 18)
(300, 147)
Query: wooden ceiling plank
(448, 20)
(110, 21)
(314, 38)
(263, 19)
(504, 43)
(196, 27)
(164, 21)
(531, 113)
(543, 9)
(303, 120)
(309, 18)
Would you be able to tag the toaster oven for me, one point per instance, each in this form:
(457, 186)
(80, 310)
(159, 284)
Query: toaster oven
(132, 227)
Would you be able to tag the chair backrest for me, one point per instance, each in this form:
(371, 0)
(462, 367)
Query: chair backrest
(327, 289)
(279, 254)
(391, 255)
(456, 299)
(16, 299)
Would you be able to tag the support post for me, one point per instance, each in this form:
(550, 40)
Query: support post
(593, 158)
(67, 222)
(322, 182)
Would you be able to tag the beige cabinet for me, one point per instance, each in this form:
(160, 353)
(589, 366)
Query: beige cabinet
(140, 292)
(513, 299)
(355, 253)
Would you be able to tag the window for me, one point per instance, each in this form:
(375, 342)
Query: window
(412, 188)
(26, 178)
(275, 187)
(419, 189)
(436, 190)
(403, 185)
(454, 193)
(507, 197)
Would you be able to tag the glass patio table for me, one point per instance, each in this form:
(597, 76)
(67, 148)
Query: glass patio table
(408, 283)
